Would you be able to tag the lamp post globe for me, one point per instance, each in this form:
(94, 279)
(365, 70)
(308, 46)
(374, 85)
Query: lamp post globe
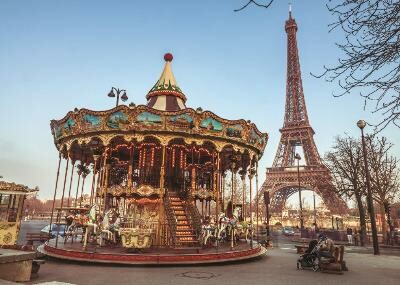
(361, 124)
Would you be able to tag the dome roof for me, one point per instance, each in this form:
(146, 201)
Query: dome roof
(166, 94)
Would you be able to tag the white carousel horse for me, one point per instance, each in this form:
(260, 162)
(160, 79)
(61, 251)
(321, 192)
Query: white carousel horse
(91, 226)
(106, 226)
(232, 225)
(241, 228)
(222, 225)
(208, 230)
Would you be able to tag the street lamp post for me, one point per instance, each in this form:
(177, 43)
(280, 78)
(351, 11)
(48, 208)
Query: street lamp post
(116, 92)
(298, 157)
(315, 211)
(361, 124)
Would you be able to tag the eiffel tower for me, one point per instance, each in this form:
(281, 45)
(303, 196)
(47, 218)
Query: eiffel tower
(282, 178)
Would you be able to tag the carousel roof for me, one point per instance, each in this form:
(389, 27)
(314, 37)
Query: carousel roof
(10, 188)
(166, 94)
(165, 117)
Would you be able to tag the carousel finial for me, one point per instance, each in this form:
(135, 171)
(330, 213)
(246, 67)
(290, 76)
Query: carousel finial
(168, 57)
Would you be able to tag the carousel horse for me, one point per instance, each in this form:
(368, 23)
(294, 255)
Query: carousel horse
(223, 221)
(74, 223)
(232, 226)
(243, 229)
(110, 226)
(91, 226)
(208, 231)
(105, 227)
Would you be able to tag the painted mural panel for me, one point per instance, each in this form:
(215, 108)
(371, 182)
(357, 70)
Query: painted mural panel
(91, 121)
(181, 121)
(58, 132)
(148, 118)
(117, 120)
(211, 124)
(234, 131)
(256, 139)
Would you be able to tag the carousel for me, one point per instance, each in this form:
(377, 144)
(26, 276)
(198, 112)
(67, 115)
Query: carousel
(159, 183)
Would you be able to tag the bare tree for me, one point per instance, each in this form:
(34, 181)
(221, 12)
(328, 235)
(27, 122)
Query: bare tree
(345, 161)
(370, 62)
(384, 176)
(256, 3)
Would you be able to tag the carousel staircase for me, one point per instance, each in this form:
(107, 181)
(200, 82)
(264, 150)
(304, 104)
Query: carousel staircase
(185, 231)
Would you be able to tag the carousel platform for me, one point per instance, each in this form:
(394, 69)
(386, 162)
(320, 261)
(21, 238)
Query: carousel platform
(152, 256)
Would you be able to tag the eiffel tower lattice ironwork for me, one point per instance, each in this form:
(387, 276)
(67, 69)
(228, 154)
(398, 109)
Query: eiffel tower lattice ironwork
(282, 178)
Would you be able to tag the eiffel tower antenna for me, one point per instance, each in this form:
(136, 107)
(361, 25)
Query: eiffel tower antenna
(282, 178)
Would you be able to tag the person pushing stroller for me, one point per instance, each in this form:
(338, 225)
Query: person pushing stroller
(317, 249)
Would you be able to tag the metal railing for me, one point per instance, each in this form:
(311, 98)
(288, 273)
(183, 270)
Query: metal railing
(171, 219)
(194, 217)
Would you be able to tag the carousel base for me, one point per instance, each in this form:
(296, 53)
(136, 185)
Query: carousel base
(153, 256)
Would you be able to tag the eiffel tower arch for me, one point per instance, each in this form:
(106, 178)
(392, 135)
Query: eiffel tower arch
(282, 178)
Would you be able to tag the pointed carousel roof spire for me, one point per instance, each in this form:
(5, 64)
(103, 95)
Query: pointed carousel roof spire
(166, 94)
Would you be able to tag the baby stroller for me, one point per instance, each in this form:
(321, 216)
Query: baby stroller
(307, 260)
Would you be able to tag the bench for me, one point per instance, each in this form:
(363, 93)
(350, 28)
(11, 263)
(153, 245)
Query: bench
(301, 248)
(337, 265)
(39, 237)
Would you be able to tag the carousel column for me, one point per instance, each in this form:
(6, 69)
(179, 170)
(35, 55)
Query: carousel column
(194, 178)
(243, 178)
(251, 174)
(130, 166)
(162, 171)
(258, 201)
(55, 193)
(223, 175)
(217, 188)
(161, 217)
(84, 174)
(233, 166)
(99, 180)
(103, 175)
(70, 182)
(77, 187)
(106, 187)
(62, 201)
(95, 158)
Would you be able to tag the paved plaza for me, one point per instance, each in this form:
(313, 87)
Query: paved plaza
(278, 267)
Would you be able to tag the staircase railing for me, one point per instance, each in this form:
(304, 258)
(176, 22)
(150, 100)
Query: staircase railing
(195, 217)
(171, 219)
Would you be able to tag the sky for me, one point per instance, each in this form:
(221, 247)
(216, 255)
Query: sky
(58, 55)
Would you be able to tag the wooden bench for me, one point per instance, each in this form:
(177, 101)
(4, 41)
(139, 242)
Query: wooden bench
(39, 237)
(301, 248)
(338, 265)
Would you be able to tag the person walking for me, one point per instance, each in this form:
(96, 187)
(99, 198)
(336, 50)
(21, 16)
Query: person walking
(350, 235)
